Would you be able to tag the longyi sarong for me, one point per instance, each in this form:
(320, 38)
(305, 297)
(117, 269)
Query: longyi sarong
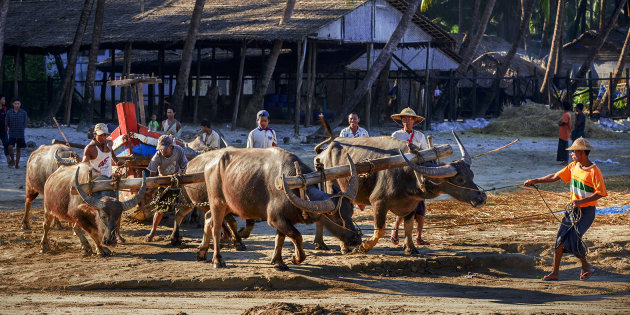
(572, 229)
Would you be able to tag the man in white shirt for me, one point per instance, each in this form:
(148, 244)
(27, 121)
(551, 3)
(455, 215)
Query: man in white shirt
(409, 118)
(209, 137)
(353, 130)
(263, 136)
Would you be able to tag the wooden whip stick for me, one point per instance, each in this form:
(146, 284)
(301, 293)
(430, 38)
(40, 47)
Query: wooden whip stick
(497, 149)
(64, 138)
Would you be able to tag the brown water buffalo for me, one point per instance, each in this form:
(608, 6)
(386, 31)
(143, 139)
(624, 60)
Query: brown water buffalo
(41, 164)
(99, 217)
(398, 189)
(243, 182)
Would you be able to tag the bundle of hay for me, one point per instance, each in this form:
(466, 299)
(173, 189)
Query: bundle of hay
(536, 120)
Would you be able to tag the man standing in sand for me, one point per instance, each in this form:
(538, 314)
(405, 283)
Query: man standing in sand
(263, 136)
(564, 133)
(17, 119)
(587, 186)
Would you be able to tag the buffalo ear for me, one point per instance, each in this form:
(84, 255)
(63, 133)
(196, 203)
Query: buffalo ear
(86, 209)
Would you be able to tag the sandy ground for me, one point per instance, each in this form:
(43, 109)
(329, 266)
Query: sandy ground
(480, 268)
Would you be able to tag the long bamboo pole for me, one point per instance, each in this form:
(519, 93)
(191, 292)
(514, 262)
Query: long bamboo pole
(313, 178)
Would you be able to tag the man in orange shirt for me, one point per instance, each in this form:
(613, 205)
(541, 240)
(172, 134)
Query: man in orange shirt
(587, 186)
(564, 134)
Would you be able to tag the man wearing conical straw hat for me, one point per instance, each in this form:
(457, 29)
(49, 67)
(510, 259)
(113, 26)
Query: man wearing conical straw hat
(587, 186)
(408, 118)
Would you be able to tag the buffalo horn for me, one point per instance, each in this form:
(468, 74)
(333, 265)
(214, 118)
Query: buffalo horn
(63, 161)
(126, 205)
(434, 172)
(465, 156)
(90, 200)
(328, 205)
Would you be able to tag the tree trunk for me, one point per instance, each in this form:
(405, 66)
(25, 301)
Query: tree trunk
(87, 114)
(467, 56)
(473, 27)
(371, 75)
(545, 30)
(460, 16)
(523, 17)
(618, 71)
(4, 9)
(187, 56)
(256, 102)
(574, 31)
(507, 61)
(602, 15)
(72, 61)
(555, 42)
(601, 39)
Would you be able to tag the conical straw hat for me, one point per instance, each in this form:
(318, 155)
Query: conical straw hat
(580, 144)
(408, 112)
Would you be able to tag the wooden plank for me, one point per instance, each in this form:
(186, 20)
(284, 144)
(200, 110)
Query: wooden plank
(129, 82)
(313, 178)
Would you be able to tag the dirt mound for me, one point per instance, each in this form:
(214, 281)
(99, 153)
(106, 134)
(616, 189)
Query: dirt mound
(535, 120)
(281, 308)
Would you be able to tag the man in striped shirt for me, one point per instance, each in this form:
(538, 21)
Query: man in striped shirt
(587, 186)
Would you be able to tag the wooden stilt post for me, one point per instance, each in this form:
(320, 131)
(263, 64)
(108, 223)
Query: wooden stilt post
(16, 72)
(427, 90)
(103, 94)
(611, 93)
(197, 87)
(126, 69)
(590, 93)
(368, 94)
(474, 94)
(301, 54)
(140, 95)
(239, 84)
(161, 86)
(112, 77)
(312, 80)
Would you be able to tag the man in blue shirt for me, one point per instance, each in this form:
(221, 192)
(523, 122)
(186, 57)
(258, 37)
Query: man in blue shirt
(16, 121)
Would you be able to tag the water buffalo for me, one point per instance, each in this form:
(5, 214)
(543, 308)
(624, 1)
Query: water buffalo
(243, 182)
(41, 164)
(399, 189)
(99, 217)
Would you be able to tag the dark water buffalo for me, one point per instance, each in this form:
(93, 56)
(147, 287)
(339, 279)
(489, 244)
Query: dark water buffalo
(99, 217)
(398, 189)
(197, 193)
(243, 182)
(41, 164)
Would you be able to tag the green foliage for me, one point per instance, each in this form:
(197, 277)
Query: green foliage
(580, 97)
(35, 67)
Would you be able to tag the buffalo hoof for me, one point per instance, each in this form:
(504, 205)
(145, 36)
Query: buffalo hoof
(219, 264)
(296, 261)
(411, 251)
(201, 257)
(86, 252)
(281, 267)
(105, 252)
(120, 240)
(240, 247)
(25, 226)
(176, 242)
(321, 246)
(44, 249)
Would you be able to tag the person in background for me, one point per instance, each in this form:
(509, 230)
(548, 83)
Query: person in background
(4, 135)
(437, 93)
(409, 118)
(17, 119)
(153, 124)
(353, 130)
(587, 186)
(564, 133)
(170, 159)
(171, 126)
(580, 123)
(209, 137)
(263, 136)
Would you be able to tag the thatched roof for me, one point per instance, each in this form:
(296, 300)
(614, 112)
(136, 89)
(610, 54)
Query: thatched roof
(488, 43)
(586, 40)
(486, 66)
(42, 26)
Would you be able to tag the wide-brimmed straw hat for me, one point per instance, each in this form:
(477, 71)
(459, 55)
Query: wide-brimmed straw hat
(580, 144)
(408, 112)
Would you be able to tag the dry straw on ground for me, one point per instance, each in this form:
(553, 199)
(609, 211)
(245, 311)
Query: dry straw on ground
(535, 120)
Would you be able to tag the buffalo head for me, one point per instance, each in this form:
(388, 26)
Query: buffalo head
(455, 179)
(64, 161)
(335, 210)
(108, 209)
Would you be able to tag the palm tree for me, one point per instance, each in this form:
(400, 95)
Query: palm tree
(372, 74)
(555, 46)
(602, 15)
(473, 27)
(88, 111)
(618, 71)
(187, 56)
(4, 9)
(66, 90)
(590, 59)
(469, 52)
(255, 103)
